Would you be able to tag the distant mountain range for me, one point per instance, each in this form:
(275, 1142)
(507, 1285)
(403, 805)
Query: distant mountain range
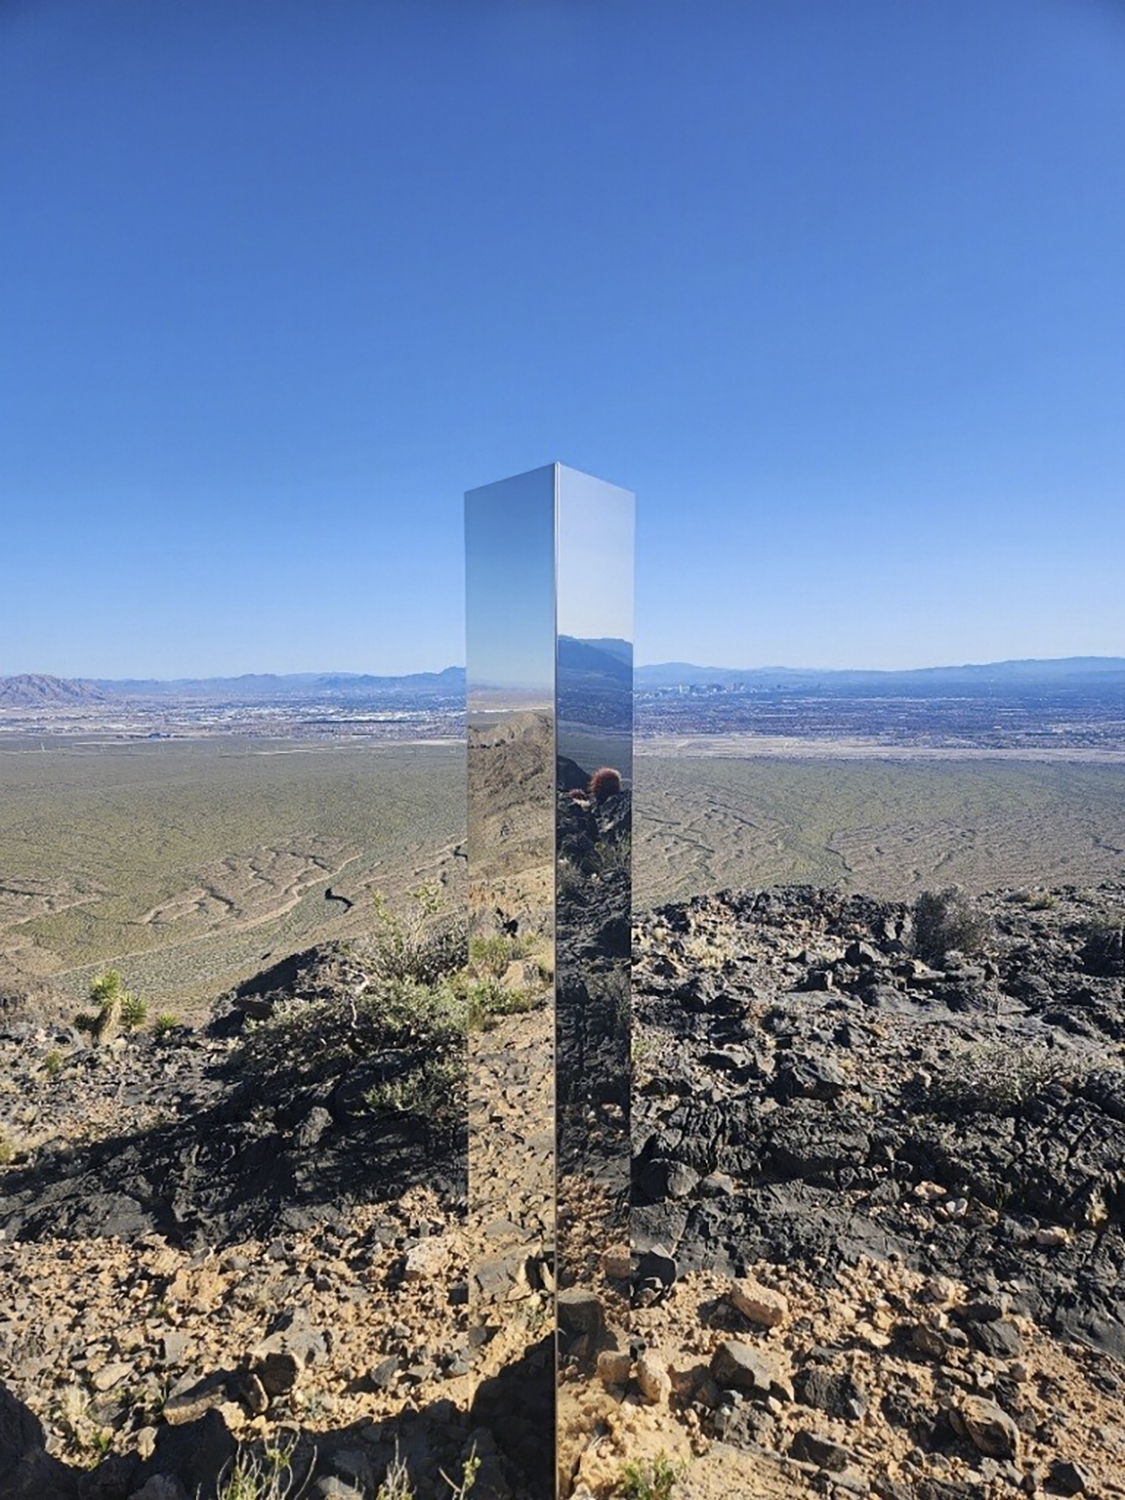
(35, 689)
(1008, 676)
(607, 659)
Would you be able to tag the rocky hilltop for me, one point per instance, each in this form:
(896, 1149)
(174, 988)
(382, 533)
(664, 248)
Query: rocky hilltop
(877, 1209)
(37, 690)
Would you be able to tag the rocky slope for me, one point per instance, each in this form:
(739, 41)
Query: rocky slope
(923, 1158)
(877, 1205)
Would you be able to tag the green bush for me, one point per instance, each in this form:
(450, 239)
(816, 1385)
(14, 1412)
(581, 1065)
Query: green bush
(105, 989)
(489, 956)
(52, 1063)
(946, 921)
(164, 1025)
(998, 1078)
(418, 1031)
(488, 1001)
(416, 944)
(134, 1012)
(650, 1479)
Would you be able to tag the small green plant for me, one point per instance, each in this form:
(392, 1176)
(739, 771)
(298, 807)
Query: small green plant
(488, 1001)
(134, 1012)
(396, 1482)
(52, 1063)
(946, 921)
(1040, 901)
(265, 1476)
(100, 1442)
(106, 988)
(459, 1489)
(489, 956)
(997, 1078)
(7, 1150)
(164, 1025)
(650, 1479)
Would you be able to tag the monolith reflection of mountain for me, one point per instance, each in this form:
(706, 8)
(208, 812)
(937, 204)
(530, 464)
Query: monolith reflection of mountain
(608, 658)
(35, 689)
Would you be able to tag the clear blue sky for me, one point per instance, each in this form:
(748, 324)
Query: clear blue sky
(837, 287)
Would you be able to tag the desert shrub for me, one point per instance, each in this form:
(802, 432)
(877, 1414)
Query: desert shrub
(614, 854)
(52, 1063)
(265, 1476)
(7, 1149)
(164, 1025)
(1040, 901)
(649, 1479)
(491, 955)
(415, 944)
(489, 1001)
(997, 1078)
(945, 921)
(1104, 944)
(570, 883)
(605, 783)
(396, 1483)
(105, 989)
(134, 1012)
(408, 1039)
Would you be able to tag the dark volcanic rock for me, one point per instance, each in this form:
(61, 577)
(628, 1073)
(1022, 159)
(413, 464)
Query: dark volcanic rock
(27, 1471)
(236, 1152)
(996, 1079)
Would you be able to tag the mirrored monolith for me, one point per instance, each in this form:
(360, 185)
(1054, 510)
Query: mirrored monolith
(510, 655)
(550, 682)
(594, 705)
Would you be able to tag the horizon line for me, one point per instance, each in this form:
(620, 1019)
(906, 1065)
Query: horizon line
(639, 666)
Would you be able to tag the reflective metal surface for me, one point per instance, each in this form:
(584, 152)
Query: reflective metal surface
(510, 640)
(550, 823)
(594, 687)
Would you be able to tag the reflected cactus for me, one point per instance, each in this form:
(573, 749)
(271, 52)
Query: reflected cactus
(605, 783)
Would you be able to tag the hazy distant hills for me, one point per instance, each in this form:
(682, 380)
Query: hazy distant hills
(269, 685)
(37, 690)
(606, 660)
(1087, 673)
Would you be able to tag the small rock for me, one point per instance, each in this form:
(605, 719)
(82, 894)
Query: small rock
(738, 1367)
(277, 1371)
(815, 1448)
(614, 1366)
(836, 1393)
(580, 1312)
(111, 1375)
(426, 1259)
(987, 1426)
(653, 1380)
(656, 1264)
(1069, 1478)
(940, 1290)
(758, 1304)
(160, 1487)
